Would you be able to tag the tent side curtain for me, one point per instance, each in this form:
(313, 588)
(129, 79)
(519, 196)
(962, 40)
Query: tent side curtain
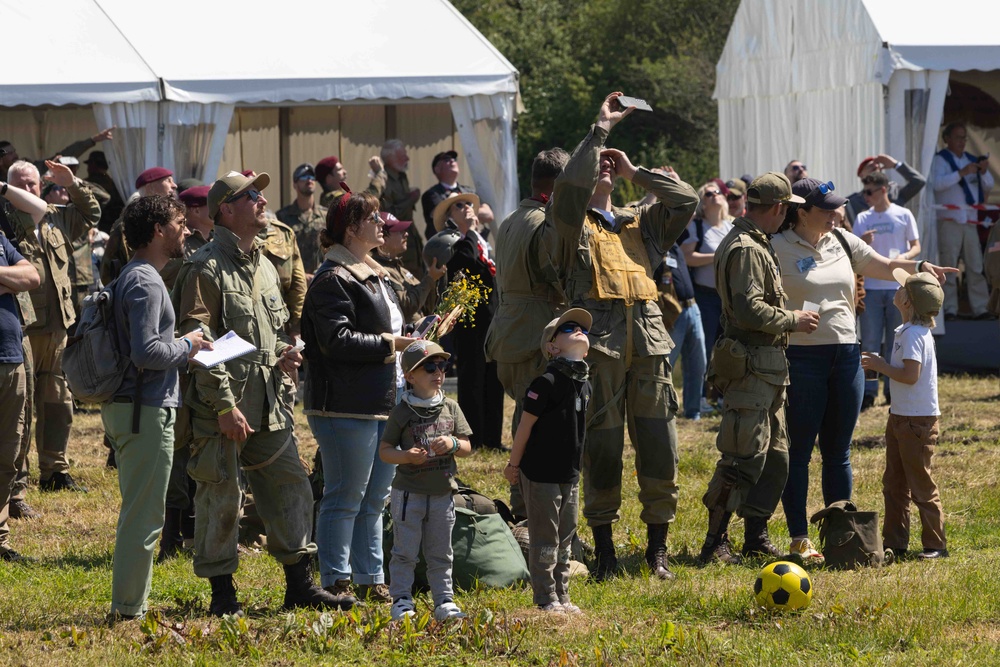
(486, 127)
(194, 136)
(135, 146)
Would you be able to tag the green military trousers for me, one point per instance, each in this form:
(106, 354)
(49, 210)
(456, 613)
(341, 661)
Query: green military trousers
(643, 391)
(753, 445)
(271, 462)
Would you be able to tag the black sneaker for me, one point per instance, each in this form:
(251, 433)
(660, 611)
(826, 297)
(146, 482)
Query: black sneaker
(11, 556)
(19, 509)
(932, 554)
(61, 481)
(867, 402)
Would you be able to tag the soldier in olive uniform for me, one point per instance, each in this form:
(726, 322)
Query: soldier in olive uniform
(749, 367)
(281, 248)
(239, 420)
(398, 199)
(49, 246)
(416, 297)
(306, 218)
(606, 256)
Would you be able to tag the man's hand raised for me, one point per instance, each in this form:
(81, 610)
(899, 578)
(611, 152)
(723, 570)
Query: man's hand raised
(60, 173)
(607, 118)
(623, 167)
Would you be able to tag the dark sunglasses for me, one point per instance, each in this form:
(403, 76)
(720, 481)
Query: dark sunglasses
(869, 193)
(711, 193)
(799, 167)
(570, 327)
(253, 194)
(432, 367)
(463, 204)
(732, 197)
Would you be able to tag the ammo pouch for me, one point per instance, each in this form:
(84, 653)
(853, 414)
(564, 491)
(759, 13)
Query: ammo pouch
(849, 538)
(729, 360)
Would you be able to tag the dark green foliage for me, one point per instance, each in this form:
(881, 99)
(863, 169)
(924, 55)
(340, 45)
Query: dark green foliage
(571, 54)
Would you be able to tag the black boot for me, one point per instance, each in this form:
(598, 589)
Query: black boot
(656, 550)
(756, 543)
(224, 596)
(170, 539)
(605, 561)
(302, 591)
(716, 546)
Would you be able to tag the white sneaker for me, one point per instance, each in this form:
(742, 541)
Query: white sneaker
(803, 548)
(706, 407)
(402, 607)
(570, 608)
(552, 608)
(447, 612)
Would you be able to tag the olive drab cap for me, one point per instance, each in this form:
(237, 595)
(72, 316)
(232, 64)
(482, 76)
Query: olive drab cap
(772, 188)
(232, 184)
(578, 315)
(923, 289)
(418, 352)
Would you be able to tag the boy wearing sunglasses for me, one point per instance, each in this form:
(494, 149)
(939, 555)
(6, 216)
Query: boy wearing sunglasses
(423, 435)
(547, 453)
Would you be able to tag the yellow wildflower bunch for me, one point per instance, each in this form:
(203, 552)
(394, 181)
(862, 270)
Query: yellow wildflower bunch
(458, 303)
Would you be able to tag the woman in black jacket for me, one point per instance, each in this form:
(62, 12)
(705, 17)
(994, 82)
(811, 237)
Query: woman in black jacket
(351, 325)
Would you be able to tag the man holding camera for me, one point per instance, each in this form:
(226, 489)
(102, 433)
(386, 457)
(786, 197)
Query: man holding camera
(963, 180)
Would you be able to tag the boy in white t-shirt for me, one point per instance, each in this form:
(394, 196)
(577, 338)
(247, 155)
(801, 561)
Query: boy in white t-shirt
(912, 430)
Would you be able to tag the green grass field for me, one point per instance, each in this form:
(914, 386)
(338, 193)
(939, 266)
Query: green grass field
(912, 613)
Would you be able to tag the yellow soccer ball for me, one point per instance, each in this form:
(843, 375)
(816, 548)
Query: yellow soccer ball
(783, 586)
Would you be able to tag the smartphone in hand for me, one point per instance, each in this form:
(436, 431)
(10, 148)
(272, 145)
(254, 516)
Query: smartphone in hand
(625, 102)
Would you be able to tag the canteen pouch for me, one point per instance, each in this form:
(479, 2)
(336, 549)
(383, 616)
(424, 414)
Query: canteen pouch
(849, 538)
(729, 363)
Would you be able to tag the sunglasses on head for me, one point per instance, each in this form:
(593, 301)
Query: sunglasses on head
(432, 367)
(822, 189)
(254, 195)
(570, 327)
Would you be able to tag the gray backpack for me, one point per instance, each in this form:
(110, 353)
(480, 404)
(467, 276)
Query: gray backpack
(92, 361)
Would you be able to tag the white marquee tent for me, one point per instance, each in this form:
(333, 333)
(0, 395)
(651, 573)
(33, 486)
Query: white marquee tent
(201, 87)
(829, 82)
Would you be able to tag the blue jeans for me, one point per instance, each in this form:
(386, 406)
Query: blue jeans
(710, 305)
(356, 484)
(878, 329)
(824, 399)
(689, 344)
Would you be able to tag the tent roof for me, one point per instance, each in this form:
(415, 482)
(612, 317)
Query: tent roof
(257, 51)
(931, 35)
(59, 67)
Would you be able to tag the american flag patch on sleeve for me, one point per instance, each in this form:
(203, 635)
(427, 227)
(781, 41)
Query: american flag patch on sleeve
(532, 395)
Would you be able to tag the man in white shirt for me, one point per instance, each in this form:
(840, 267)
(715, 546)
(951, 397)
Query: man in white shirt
(961, 179)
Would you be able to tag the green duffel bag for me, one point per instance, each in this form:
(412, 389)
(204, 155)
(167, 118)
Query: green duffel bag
(849, 538)
(484, 549)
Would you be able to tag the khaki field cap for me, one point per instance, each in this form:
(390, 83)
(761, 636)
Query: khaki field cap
(232, 184)
(578, 315)
(772, 188)
(923, 289)
(418, 352)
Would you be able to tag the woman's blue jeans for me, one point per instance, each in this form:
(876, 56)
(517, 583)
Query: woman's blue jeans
(824, 400)
(878, 330)
(356, 484)
(710, 304)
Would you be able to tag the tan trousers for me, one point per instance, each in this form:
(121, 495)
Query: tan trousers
(956, 239)
(20, 485)
(909, 447)
(53, 403)
(11, 426)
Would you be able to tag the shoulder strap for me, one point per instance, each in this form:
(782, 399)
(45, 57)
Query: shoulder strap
(947, 156)
(699, 230)
(843, 242)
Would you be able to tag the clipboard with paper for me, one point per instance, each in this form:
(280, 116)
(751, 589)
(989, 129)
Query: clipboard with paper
(226, 348)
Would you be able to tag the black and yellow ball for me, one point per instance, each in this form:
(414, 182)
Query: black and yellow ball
(783, 586)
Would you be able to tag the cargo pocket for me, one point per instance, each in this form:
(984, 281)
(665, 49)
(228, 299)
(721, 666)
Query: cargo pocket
(277, 311)
(743, 432)
(208, 461)
(237, 313)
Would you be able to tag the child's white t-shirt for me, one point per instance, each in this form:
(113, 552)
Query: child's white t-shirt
(914, 341)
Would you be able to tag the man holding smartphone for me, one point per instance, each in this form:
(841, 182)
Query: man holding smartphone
(961, 179)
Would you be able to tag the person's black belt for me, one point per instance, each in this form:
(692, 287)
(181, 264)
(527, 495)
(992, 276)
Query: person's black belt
(687, 303)
(122, 399)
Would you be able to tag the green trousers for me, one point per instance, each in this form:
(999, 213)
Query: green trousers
(144, 460)
(281, 490)
(12, 388)
(643, 391)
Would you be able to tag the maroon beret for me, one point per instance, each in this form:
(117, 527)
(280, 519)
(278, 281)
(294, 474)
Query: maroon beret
(196, 196)
(150, 175)
(325, 167)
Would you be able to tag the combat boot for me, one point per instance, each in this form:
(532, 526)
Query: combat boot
(170, 539)
(605, 561)
(656, 550)
(756, 542)
(716, 546)
(224, 600)
(302, 591)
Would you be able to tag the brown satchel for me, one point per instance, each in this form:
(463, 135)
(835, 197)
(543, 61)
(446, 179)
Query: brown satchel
(849, 538)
